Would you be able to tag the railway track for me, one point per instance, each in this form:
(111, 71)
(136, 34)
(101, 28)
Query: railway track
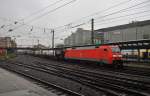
(112, 85)
(112, 74)
(58, 90)
(125, 70)
(134, 70)
(108, 78)
(12, 65)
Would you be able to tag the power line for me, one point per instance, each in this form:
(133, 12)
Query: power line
(122, 19)
(122, 10)
(34, 13)
(45, 14)
(41, 10)
(37, 12)
(83, 17)
(38, 17)
(119, 4)
(14, 23)
(136, 17)
(124, 16)
(116, 17)
(107, 9)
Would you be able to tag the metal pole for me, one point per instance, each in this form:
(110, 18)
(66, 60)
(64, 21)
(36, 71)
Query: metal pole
(92, 31)
(38, 42)
(53, 40)
(136, 29)
(15, 45)
(139, 55)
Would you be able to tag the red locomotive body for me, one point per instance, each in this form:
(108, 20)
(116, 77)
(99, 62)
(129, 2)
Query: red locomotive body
(105, 54)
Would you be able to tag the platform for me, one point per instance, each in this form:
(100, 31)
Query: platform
(13, 85)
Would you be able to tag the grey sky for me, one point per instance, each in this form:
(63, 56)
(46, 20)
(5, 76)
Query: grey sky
(18, 9)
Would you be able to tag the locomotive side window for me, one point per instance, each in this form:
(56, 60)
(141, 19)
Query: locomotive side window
(115, 49)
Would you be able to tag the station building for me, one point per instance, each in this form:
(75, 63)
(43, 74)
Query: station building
(136, 30)
(133, 31)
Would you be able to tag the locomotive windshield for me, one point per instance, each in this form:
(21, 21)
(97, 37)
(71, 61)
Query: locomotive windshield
(115, 49)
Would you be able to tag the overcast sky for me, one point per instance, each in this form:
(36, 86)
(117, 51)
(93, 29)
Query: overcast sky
(16, 10)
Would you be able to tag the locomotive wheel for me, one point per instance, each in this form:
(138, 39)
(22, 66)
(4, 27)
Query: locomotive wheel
(100, 64)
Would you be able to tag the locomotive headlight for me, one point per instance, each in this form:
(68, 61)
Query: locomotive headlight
(114, 55)
(117, 55)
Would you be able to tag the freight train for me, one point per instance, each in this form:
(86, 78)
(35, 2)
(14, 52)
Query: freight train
(103, 54)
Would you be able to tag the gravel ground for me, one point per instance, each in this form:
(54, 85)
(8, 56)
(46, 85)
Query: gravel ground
(139, 65)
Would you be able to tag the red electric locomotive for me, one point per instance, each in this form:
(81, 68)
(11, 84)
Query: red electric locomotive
(107, 54)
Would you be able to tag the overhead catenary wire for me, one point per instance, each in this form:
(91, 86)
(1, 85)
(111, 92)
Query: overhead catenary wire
(30, 15)
(96, 13)
(13, 24)
(41, 10)
(23, 24)
(79, 24)
(124, 2)
(125, 18)
(145, 11)
(106, 20)
(136, 17)
(67, 24)
(122, 10)
(47, 13)
(44, 14)
(116, 12)
(117, 17)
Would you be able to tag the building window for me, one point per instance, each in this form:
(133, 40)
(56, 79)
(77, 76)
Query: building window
(146, 36)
